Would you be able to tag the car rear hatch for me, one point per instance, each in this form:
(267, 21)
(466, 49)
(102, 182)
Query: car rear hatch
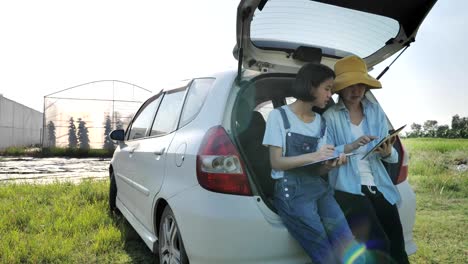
(281, 35)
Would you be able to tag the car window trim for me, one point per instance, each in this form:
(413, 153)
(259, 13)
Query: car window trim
(185, 102)
(149, 101)
(180, 89)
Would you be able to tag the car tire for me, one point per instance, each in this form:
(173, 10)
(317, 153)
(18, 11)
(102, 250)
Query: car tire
(171, 247)
(113, 195)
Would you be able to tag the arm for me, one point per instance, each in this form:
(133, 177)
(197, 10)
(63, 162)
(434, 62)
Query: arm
(361, 141)
(331, 134)
(281, 163)
(387, 152)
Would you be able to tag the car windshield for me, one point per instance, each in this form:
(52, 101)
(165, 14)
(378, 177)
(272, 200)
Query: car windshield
(288, 24)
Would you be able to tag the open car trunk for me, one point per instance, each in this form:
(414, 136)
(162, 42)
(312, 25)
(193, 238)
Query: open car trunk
(255, 100)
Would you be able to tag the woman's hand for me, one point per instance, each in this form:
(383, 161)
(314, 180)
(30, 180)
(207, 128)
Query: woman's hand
(385, 148)
(279, 162)
(331, 164)
(324, 152)
(361, 141)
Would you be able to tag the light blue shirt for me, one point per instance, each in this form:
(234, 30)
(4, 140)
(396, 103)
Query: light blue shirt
(275, 134)
(346, 178)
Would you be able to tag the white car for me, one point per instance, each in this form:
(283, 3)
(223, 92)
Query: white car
(190, 173)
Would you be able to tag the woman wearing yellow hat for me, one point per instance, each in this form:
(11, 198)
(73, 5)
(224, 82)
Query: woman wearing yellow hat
(363, 188)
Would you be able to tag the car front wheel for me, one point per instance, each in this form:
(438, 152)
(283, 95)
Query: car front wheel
(113, 195)
(171, 247)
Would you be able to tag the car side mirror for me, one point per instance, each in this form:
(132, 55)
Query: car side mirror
(118, 134)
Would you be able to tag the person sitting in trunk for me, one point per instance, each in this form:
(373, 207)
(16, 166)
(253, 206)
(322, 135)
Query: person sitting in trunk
(363, 187)
(303, 199)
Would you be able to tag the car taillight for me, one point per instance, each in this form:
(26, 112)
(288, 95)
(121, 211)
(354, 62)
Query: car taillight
(403, 173)
(219, 167)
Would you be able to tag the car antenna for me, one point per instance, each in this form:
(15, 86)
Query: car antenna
(388, 67)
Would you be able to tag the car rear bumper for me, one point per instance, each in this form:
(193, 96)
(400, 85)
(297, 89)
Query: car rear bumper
(407, 211)
(221, 228)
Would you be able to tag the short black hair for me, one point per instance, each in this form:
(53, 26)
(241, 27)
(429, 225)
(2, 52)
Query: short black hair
(310, 76)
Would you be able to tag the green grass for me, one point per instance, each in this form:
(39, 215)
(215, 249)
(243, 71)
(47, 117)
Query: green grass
(57, 152)
(436, 144)
(64, 223)
(442, 199)
(68, 223)
(75, 152)
(434, 170)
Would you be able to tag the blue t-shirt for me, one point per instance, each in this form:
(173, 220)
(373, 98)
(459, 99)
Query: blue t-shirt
(275, 133)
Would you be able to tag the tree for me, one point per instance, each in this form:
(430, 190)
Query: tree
(83, 137)
(108, 144)
(119, 124)
(415, 130)
(51, 134)
(443, 131)
(118, 121)
(72, 140)
(460, 126)
(430, 128)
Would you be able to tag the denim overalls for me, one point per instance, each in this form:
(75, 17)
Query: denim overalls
(306, 205)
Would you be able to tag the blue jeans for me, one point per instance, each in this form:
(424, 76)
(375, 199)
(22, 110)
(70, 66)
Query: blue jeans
(312, 216)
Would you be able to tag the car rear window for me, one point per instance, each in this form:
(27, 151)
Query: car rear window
(338, 31)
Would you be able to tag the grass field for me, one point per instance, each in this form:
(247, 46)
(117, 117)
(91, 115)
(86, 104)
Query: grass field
(441, 229)
(57, 152)
(64, 223)
(67, 223)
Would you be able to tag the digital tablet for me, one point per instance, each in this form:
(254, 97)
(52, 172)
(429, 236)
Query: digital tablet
(395, 132)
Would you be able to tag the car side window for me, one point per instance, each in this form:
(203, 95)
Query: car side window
(168, 114)
(195, 98)
(143, 121)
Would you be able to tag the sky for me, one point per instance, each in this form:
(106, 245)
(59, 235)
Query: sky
(50, 45)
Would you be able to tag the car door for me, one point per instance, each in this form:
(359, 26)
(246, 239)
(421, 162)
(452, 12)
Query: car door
(152, 155)
(126, 161)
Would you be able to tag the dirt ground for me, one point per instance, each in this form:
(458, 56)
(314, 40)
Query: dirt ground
(47, 170)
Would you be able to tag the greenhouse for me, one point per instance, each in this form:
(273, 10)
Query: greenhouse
(20, 126)
(82, 116)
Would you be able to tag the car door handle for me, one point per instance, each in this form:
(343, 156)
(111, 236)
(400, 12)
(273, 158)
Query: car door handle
(159, 152)
(132, 149)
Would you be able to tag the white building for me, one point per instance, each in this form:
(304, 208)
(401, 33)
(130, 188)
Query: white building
(19, 124)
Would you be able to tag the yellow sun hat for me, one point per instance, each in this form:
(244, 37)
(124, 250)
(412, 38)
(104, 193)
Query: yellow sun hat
(352, 70)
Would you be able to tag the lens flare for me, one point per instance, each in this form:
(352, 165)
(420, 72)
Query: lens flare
(353, 253)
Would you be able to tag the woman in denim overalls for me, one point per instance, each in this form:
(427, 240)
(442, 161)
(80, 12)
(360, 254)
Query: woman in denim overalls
(303, 198)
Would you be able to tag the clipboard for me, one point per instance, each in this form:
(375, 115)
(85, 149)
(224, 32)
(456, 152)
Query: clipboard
(336, 156)
(383, 140)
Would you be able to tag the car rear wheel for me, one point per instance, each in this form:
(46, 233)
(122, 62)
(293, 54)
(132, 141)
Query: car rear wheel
(171, 247)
